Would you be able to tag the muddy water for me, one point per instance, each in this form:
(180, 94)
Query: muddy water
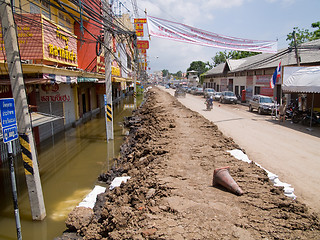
(69, 165)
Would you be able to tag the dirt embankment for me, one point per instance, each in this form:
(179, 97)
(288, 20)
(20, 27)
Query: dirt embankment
(171, 154)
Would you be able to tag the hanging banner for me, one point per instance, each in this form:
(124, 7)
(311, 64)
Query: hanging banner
(183, 33)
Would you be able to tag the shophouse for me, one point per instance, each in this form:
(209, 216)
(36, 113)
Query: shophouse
(63, 63)
(253, 74)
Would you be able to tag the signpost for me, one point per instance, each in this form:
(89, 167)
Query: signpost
(10, 133)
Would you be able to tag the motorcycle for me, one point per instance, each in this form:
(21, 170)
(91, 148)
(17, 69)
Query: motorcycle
(209, 104)
(305, 117)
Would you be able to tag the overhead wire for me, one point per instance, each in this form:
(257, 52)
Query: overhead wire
(100, 21)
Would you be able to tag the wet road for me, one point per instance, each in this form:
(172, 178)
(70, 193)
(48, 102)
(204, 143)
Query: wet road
(288, 150)
(69, 164)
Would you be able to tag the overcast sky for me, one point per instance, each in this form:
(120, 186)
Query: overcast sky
(251, 19)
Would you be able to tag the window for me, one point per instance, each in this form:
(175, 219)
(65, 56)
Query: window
(256, 90)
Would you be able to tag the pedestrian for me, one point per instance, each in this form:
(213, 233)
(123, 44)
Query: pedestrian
(282, 110)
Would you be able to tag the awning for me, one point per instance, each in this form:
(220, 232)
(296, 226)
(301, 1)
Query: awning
(39, 118)
(118, 79)
(301, 79)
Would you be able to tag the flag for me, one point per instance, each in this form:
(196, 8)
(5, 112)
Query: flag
(275, 76)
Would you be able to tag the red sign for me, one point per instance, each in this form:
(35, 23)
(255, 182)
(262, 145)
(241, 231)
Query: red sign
(143, 44)
(139, 33)
(140, 20)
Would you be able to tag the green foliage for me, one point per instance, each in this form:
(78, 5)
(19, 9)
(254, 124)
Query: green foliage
(200, 67)
(167, 74)
(222, 57)
(304, 35)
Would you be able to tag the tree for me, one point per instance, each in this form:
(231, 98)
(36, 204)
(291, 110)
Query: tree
(199, 66)
(304, 35)
(222, 57)
(165, 72)
(179, 74)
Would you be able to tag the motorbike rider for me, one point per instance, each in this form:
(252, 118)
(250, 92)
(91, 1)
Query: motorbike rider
(209, 102)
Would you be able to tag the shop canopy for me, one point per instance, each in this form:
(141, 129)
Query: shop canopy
(301, 79)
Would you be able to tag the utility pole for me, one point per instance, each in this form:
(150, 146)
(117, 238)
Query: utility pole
(295, 48)
(108, 97)
(29, 154)
(137, 70)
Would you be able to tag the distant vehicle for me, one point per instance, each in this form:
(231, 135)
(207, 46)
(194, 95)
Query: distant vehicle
(263, 104)
(179, 92)
(167, 86)
(197, 91)
(228, 97)
(217, 96)
(208, 92)
(192, 90)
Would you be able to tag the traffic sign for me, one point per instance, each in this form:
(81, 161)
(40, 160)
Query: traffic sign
(8, 120)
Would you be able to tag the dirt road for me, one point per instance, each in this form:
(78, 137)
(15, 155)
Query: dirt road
(170, 155)
(288, 150)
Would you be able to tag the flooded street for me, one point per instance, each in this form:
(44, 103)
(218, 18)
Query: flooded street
(69, 164)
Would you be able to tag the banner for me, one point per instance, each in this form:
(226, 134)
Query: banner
(183, 33)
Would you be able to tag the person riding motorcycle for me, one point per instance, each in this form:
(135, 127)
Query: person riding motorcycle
(209, 102)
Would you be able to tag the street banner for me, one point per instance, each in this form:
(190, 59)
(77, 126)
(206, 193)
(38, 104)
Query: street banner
(180, 32)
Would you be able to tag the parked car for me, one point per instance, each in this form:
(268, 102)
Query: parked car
(180, 92)
(208, 92)
(192, 90)
(228, 97)
(197, 91)
(263, 104)
(217, 96)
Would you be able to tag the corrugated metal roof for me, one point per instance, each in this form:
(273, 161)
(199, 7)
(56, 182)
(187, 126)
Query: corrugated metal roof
(309, 54)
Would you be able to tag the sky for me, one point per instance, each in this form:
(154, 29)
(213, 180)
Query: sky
(250, 19)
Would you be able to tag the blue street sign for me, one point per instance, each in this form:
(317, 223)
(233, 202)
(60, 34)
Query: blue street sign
(8, 119)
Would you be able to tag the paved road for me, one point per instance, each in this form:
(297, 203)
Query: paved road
(288, 150)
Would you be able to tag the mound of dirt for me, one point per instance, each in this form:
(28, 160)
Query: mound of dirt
(170, 155)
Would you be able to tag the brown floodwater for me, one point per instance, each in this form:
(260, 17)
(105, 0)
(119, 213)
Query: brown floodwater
(69, 164)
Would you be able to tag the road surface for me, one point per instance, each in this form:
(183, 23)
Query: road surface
(289, 150)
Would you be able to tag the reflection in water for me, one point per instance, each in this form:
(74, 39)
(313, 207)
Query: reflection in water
(69, 164)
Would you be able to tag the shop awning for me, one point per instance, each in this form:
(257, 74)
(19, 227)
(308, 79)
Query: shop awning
(301, 79)
(118, 79)
(39, 118)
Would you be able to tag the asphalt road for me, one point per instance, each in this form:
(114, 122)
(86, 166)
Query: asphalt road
(289, 150)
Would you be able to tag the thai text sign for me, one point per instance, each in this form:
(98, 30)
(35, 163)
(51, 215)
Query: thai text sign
(8, 120)
(40, 39)
(140, 20)
(143, 44)
(55, 93)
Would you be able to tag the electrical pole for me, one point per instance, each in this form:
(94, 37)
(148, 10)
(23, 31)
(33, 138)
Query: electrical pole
(137, 70)
(295, 48)
(108, 97)
(29, 154)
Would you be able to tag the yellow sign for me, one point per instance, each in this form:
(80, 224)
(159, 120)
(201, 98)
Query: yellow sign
(115, 71)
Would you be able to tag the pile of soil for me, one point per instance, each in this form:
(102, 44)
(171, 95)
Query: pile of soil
(170, 155)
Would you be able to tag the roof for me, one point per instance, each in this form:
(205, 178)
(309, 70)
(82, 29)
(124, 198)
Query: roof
(309, 54)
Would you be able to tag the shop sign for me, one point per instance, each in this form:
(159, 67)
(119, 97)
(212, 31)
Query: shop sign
(59, 44)
(263, 80)
(140, 20)
(143, 44)
(44, 40)
(139, 29)
(115, 71)
(55, 93)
